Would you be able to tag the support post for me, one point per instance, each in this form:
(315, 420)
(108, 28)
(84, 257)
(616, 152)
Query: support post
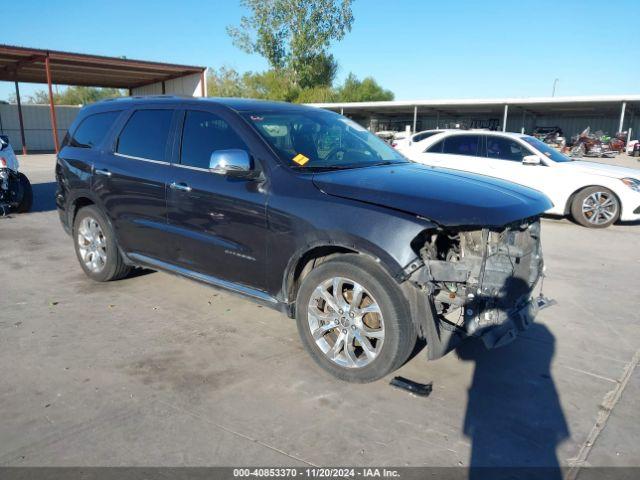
(415, 118)
(504, 118)
(52, 110)
(438, 120)
(164, 88)
(624, 107)
(24, 142)
(203, 87)
(341, 111)
(522, 127)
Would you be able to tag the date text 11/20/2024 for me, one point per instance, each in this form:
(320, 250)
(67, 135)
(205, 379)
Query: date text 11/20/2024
(316, 472)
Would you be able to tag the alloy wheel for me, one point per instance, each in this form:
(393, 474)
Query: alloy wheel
(599, 208)
(346, 322)
(92, 244)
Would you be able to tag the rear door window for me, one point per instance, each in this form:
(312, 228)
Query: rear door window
(458, 145)
(502, 148)
(93, 129)
(145, 135)
(202, 134)
(462, 145)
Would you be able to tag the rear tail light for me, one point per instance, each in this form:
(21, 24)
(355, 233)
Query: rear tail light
(3, 162)
(394, 144)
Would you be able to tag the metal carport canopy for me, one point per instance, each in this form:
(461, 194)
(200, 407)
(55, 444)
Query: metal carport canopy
(31, 65)
(610, 103)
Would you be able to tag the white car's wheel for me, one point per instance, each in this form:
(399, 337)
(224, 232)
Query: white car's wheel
(595, 207)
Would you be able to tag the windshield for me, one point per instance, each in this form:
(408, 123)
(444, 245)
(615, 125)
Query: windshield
(319, 139)
(546, 149)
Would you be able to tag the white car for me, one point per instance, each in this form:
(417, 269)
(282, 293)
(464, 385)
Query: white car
(594, 194)
(404, 141)
(16, 194)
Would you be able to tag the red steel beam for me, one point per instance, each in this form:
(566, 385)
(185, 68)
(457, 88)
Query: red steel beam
(52, 110)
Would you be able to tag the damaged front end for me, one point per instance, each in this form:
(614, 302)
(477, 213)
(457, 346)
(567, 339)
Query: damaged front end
(479, 282)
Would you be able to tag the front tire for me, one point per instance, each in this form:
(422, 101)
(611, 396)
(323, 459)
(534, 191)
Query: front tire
(353, 319)
(595, 207)
(96, 246)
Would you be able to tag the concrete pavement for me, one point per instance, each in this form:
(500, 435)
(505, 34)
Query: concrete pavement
(158, 370)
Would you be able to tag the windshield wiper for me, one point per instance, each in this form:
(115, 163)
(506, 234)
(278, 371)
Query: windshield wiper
(386, 162)
(325, 168)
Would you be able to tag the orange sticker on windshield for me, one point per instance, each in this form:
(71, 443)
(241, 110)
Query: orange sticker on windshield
(300, 159)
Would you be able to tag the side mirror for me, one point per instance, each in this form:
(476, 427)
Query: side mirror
(233, 162)
(4, 142)
(531, 160)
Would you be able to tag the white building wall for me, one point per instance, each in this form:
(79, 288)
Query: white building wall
(37, 125)
(189, 85)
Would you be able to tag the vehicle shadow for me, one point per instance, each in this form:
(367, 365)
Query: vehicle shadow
(44, 197)
(514, 418)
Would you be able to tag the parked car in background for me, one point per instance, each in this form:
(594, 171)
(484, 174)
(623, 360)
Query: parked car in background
(16, 194)
(305, 211)
(398, 138)
(385, 135)
(634, 148)
(408, 140)
(594, 194)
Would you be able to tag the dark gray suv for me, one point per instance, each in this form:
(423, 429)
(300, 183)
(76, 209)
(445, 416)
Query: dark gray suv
(305, 211)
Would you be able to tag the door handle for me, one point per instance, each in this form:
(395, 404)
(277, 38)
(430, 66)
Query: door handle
(180, 186)
(103, 171)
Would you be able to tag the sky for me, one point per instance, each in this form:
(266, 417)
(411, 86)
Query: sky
(419, 49)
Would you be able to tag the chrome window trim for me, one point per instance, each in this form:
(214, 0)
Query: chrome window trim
(199, 169)
(131, 157)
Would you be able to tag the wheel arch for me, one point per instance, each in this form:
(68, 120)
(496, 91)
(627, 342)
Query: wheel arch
(79, 202)
(307, 259)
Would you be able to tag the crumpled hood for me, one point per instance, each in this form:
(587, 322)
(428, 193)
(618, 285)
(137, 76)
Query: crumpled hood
(450, 198)
(596, 168)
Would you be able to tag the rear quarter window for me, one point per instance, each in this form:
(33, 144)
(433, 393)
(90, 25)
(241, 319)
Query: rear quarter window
(92, 130)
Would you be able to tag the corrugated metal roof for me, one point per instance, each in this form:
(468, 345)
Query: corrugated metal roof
(27, 65)
(521, 101)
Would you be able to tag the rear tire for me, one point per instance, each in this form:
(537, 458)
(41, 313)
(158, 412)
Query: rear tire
(96, 246)
(374, 343)
(595, 207)
(27, 194)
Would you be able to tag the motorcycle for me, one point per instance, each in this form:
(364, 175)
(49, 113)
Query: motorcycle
(552, 136)
(599, 145)
(16, 194)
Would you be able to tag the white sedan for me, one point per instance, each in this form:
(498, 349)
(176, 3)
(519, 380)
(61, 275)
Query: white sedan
(594, 194)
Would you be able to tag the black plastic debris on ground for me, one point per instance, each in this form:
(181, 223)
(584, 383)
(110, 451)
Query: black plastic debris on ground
(420, 389)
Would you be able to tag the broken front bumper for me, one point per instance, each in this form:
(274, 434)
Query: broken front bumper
(480, 283)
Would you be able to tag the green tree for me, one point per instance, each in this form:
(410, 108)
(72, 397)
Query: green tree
(294, 35)
(71, 96)
(225, 82)
(270, 85)
(367, 90)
